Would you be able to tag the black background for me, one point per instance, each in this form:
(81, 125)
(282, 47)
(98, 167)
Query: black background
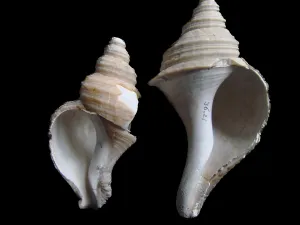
(71, 37)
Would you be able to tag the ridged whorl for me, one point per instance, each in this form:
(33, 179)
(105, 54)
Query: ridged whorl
(203, 42)
(115, 63)
(99, 91)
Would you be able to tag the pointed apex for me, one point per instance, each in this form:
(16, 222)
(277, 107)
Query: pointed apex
(114, 63)
(204, 41)
(116, 48)
(207, 5)
(206, 14)
(117, 41)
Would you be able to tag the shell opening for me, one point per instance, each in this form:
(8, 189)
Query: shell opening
(72, 145)
(240, 111)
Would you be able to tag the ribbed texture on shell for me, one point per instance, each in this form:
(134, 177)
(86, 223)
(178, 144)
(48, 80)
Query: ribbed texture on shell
(115, 63)
(99, 92)
(121, 139)
(204, 41)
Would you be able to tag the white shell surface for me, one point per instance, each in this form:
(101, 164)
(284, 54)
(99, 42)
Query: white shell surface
(84, 149)
(224, 111)
(128, 98)
(72, 144)
(221, 99)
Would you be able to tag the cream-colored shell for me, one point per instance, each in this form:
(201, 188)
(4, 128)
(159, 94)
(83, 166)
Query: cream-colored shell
(99, 91)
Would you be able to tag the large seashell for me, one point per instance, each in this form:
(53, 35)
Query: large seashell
(89, 135)
(222, 101)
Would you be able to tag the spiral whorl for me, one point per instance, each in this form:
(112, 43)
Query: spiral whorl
(206, 15)
(101, 91)
(115, 62)
(204, 41)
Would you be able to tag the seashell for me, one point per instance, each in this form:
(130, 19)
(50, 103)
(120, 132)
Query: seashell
(222, 101)
(89, 135)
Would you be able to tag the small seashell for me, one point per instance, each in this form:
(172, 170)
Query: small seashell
(89, 135)
(221, 99)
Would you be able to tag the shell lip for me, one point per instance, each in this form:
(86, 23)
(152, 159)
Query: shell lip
(196, 65)
(77, 105)
(70, 106)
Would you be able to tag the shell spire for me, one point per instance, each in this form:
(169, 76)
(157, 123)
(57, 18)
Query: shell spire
(110, 91)
(206, 15)
(204, 42)
(115, 63)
